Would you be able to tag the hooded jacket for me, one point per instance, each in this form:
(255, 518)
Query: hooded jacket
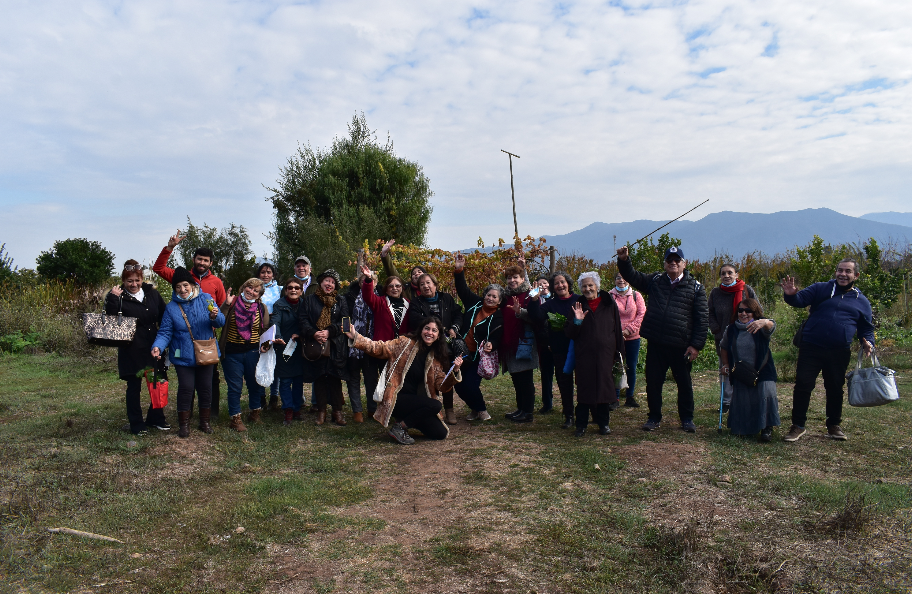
(173, 333)
(835, 317)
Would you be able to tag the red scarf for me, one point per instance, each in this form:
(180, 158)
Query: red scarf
(513, 327)
(594, 303)
(737, 289)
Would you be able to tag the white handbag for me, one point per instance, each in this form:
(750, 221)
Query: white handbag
(381, 383)
(871, 386)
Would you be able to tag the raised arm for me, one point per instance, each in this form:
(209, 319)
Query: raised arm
(637, 280)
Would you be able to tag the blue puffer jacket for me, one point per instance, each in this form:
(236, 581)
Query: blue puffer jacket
(835, 317)
(173, 332)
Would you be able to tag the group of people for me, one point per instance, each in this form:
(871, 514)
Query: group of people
(414, 345)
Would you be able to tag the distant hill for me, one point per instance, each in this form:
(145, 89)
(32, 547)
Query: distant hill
(736, 233)
(894, 218)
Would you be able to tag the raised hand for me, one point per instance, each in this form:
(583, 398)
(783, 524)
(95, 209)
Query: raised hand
(623, 253)
(229, 300)
(578, 312)
(516, 306)
(175, 239)
(117, 291)
(789, 287)
(386, 247)
(366, 272)
(460, 261)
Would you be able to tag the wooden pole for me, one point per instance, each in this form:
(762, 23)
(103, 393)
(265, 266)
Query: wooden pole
(513, 198)
(553, 264)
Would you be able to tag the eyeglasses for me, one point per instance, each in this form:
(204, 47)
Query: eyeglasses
(292, 288)
(132, 267)
(744, 310)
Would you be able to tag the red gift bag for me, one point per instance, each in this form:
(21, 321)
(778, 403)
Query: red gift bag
(158, 390)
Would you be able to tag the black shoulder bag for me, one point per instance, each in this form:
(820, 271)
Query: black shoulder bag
(743, 371)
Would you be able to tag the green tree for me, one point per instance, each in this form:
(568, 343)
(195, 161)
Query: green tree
(328, 203)
(649, 257)
(234, 259)
(80, 260)
(881, 287)
(7, 270)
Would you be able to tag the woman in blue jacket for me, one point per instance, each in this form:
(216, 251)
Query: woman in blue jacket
(203, 315)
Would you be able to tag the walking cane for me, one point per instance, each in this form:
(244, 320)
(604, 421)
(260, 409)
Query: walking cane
(721, 400)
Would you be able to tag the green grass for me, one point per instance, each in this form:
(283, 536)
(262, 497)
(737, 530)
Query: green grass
(497, 507)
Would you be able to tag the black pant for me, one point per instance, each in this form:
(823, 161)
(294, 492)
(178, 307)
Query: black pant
(155, 416)
(420, 412)
(198, 377)
(564, 383)
(371, 370)
(812, 360)
(600, 414)
(216, 391)
(329, 390)
(658, 359)
(546, 365)
(524, 384)
(469, 389)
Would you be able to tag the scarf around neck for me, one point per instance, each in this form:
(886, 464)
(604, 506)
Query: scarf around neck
(244, 315)
(737, 291)
(329, 302)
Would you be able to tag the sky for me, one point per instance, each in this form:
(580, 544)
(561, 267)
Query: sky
(120, 120)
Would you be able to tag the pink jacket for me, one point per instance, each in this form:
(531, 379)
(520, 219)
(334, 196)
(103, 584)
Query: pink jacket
(632, 309)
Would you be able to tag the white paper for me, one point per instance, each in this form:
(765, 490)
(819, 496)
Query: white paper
(268, 336)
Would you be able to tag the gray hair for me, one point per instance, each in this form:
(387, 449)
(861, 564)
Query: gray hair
(593, 275)
(493, 287)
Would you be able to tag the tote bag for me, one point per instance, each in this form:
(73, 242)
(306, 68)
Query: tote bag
(871, 386)
(381, 383)
(488, 363)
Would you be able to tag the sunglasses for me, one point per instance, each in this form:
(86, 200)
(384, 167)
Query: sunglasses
(290, 288)
(675, 260)
(744, 310)
(132, 267)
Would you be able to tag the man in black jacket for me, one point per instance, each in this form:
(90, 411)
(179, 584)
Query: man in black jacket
(675, 328)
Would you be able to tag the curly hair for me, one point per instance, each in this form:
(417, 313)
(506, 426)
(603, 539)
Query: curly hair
(594, 276)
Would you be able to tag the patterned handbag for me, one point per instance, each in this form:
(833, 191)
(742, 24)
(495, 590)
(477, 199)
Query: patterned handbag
(488, 363)
(105, 330)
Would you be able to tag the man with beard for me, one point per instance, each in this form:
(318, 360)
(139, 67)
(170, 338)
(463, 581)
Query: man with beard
(208, 282)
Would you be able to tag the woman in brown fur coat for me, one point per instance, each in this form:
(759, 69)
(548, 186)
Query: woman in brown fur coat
(416, 375)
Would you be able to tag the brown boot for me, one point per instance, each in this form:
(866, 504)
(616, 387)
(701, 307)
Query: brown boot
(358, 417)
(204, 425)
(321, 416)
(289, 415)
(254, 416)
(236, 423)
(337, 418)
(450, 416)
(183, 422)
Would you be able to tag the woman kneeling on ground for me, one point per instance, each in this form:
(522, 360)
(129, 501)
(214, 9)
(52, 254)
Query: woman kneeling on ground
(139, 300)
(754, 408)
(191, 315)
(597, 343)
(415, 377)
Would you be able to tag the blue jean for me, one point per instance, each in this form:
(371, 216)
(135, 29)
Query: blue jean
(631, 356)
(240, 368)
(292, 391)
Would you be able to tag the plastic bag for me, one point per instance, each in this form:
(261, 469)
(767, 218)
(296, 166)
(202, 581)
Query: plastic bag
(265, 369)
(158, 390)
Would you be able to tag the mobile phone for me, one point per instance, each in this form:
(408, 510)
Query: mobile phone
(346, 324)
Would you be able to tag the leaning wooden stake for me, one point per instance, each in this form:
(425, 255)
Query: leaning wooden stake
(84, 534)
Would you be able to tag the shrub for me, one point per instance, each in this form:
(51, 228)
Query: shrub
(79, 260)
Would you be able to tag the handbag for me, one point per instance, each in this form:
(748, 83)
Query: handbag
(871, 386)
(381, 382)
(314, 349)
(105, 330)
(158, 390)
(526, 346)
(743, 371)
(488, 363)
(620, 376)
(205, 351)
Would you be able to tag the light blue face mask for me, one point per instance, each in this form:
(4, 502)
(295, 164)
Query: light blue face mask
(620, 290)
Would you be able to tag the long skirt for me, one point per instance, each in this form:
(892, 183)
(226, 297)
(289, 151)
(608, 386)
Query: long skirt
(753, 409)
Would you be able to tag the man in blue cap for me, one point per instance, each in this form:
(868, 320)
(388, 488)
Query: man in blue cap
(675, 328)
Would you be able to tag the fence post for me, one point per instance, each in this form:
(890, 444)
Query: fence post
(553, 263)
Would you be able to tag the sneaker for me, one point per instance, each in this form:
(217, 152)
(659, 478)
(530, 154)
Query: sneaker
(794, 434)
(163, 426)
(614, 405)
(688, 426)
(604, 430)
(472, 416)
(766, 435)
(631, 403)
(726, 408)
(399, 433)
(483, 415)
(580, 431)
(651, 425)
(515, 413)
(835, 432)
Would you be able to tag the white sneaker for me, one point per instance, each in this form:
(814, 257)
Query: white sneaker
(473, 416)
(484, 416)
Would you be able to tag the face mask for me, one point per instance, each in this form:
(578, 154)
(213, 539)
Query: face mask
(620, 290)
(729, 284)
(303, 278)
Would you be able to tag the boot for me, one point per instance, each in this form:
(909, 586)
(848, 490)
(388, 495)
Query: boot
(289, 415)
(298, 416)
(204, 425)
(337, 418)
(254, 416)
(237, 424)
(321, 415)
(631, 402)
(183, 422)
(450, 416)
(568, 422)
(358, 417)
(273, 402)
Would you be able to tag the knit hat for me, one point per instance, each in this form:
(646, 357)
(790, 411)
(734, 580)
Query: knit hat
(329, 272)
(181, 275)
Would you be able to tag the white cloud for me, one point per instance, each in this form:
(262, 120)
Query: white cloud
(123, 118)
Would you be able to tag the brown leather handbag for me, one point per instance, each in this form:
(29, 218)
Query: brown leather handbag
(205, 351)
(314, 349)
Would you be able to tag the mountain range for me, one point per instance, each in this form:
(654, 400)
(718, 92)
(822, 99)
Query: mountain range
(740, 233)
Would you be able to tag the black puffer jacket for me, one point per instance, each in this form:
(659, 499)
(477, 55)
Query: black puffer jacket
(450, 312)
(308, 314)
(676, 316)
